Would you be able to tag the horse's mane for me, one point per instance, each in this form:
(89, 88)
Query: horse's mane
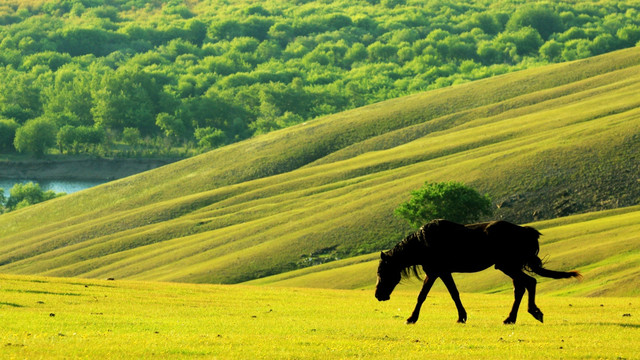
(411, 270)
(409, 243)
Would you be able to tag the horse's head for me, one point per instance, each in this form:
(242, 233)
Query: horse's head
(389, 275)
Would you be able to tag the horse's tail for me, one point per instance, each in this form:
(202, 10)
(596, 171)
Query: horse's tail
(535, 265)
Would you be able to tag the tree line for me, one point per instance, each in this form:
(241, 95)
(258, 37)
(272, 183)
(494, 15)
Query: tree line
(168, 77)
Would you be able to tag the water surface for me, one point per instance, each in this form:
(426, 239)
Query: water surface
(55, 185)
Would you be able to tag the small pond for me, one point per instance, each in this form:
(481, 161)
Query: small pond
(55, 185)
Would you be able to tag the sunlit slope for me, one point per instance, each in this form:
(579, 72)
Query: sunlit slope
(544, 142)
(604, 245)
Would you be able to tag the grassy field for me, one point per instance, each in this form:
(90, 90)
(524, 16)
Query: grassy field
(543, 143)
(57, 318)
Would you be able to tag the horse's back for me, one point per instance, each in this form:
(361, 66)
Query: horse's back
(473, 247)
(456, 247)
(513, 244)
(445, 233)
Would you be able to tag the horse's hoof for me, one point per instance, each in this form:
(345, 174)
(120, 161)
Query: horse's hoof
(537, 314)
(411, 321)
(462, 320)
(509, 321)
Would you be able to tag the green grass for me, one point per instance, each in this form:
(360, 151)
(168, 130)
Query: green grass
(57, 318)
(544, 143)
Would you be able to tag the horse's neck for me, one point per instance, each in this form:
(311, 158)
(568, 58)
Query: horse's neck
(410, 252)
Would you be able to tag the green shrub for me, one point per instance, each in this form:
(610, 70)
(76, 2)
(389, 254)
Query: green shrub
(451, 200)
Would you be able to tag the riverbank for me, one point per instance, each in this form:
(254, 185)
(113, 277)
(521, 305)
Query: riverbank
(76, 169)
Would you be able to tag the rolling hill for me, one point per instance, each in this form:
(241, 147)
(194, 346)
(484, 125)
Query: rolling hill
(546, 142)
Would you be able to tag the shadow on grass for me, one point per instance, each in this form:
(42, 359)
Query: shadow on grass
(10, 304)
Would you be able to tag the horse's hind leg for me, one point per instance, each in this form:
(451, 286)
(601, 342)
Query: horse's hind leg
(455, 295)
(518, 292)
(522, 281)
(531, 289)
(426, 286)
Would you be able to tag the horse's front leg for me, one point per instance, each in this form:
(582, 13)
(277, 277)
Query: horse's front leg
(426, 286)
(455, 295)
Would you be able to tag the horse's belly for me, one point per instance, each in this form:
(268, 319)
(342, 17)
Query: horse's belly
(467, 261)
(469, 267)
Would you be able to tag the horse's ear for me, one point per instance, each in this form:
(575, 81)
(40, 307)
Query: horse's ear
(383, 256)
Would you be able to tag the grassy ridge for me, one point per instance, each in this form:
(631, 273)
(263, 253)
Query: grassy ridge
(57, 318)
(543, 143)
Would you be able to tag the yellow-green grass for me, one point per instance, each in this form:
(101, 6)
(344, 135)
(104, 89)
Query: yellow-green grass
(558, 139)
(53, 318)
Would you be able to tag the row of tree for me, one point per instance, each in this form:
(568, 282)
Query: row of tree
(88, 76)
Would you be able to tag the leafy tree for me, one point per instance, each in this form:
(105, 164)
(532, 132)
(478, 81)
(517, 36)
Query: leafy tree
(357, 52)
(19, 96)
(268, 50)
(573, 33)
(221, 65)
(8, 129)
(70, 96)
(487, 22)
(81, 41)
(454, 47)
(3, 200)
(244, 44)
(128, 97)
(173, 127)
(281, 32)
(379, 52)
(22, 195)
(390, 4)
(70, 137)
(65, 138)
(506, 48)
(604, 43)
(551, 50)
(131, 136)
(209, 138)
(180, 10)
(89, 135)
(542, 18)
(53, 60)
(629, 35)
(104, 11)
(36, 136)
(527, 41)
(451, 200)
(576, 49)
(489, 53)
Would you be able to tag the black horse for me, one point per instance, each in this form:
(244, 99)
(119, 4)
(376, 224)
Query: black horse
(443, 247)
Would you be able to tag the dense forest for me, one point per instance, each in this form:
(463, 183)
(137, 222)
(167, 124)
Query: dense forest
(172, 78)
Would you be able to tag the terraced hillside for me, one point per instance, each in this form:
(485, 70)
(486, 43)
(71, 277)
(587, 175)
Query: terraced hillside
(543, 143)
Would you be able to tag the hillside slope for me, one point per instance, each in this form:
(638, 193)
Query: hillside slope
(546, 142)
